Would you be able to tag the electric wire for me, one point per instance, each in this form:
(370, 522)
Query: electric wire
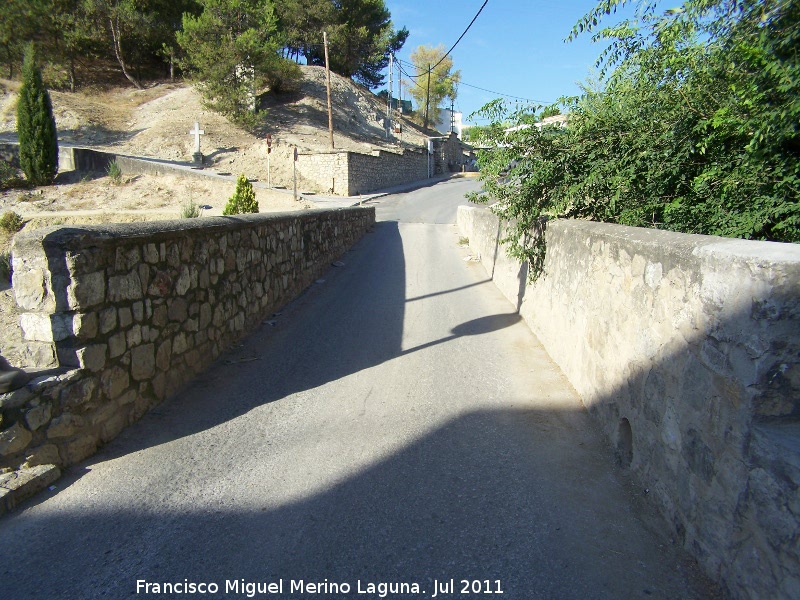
(461, 36)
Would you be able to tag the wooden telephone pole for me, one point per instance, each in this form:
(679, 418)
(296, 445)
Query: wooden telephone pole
(328, 84)
(427, 97)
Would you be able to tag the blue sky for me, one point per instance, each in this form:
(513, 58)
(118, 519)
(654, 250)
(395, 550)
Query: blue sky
(515, 47)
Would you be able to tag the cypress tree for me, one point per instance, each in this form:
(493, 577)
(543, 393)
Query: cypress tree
(36, 127)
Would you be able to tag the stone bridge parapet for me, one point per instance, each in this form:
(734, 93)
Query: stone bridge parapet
(121, 317)
(687, 349)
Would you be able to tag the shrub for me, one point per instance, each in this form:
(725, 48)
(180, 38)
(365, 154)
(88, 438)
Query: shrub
(36, 127)
(5, 265)
(10, 222)
(9, 176)
(114, 172)
(243, 200)
(190, 210)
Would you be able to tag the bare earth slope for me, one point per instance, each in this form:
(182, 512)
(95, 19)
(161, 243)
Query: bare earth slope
(155, 122)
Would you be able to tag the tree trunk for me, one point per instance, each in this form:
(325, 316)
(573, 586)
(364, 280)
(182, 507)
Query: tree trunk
(72, 74)
(116, 35)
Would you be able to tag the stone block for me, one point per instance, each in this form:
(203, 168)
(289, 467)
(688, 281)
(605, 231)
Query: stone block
(108, 319)
(205, 315)
(125, 287)
(87, 290)
(160, 316)
(138, 311)
(117, 345)
(45, 327)
(112, 427)
(114, 381)
(78, 393)
(160, 385)
(150, 254)
(65, 426)
(14, 439)
(93, 357)
(134, 336)
(163, 355)
(126, 258)
(30, 290)
(38, 416)
(173, 255)
(178, 310)
(24, 483)
(125, 317)
(84, 325)
(161, 285)
(183, 282)
(179, 345)
(15, 399)
(75, 450)
(127, 398)
(143, 362)
(41, 355)
(42, 455)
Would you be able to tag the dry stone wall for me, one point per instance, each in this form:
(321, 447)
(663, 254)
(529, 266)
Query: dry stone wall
(687, 349)
(122, 316)
(352, 173)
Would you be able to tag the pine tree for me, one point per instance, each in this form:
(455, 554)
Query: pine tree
(244, 200)
(36, 127)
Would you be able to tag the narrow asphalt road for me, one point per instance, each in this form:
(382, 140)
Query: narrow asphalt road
(398, 424)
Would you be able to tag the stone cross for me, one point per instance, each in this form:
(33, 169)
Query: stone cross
(197, 132)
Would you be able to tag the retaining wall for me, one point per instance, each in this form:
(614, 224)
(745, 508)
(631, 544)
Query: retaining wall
(352, 173)
(122, 316)
(687, 350)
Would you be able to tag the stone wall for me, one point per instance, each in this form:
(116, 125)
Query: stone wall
(352, 173)
(123, 316)
(448, 155)
(687, 350)
(380, 170)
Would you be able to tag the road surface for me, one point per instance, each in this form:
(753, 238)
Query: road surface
(397, 425)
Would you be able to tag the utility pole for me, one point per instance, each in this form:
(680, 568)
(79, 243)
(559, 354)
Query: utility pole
(427, 97)
(328, 84)
(389, 96)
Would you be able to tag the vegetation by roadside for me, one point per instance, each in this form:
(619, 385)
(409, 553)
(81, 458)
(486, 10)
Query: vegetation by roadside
(694, 129)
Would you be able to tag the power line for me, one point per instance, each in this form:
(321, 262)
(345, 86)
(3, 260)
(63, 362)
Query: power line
(404, 72)
(503, 95)
(462, 35)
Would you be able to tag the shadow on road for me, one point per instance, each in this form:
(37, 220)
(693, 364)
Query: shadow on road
(492, 495)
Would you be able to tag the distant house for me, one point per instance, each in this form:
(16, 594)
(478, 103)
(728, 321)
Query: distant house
(557, 120)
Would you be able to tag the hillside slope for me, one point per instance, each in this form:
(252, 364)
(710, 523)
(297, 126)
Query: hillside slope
(155, 122)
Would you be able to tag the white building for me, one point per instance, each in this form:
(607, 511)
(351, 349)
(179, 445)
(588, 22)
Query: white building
(444, 122)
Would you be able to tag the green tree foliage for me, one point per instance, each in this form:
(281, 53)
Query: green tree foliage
(36, 127)
(243, 200)
(232, 50)
(73, 35)
(360, 35)
(427, 91)
(17, 27)
(695, 129)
